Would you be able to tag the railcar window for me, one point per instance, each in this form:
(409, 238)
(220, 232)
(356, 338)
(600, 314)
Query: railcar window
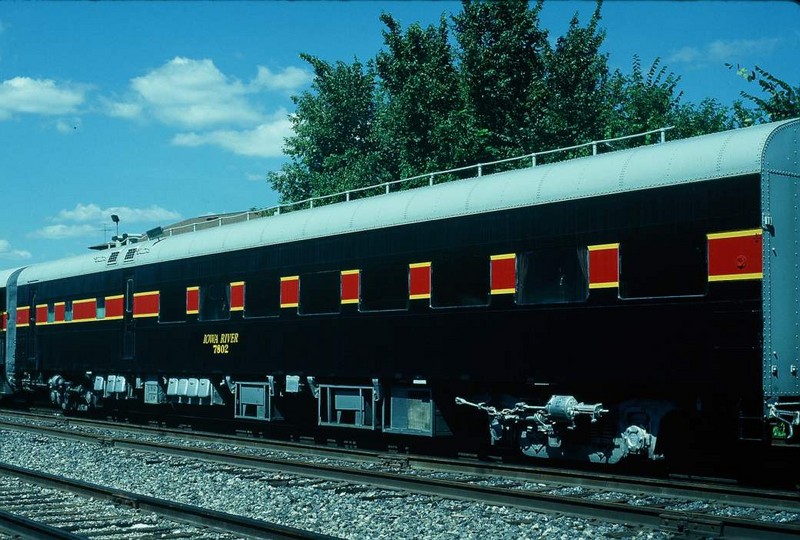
(215, 302)
(553, 276)
(68, 310)
(101, 307)
(384, 288)
(460, 281)
(320, 293)
(668, 266)
(262, 297)
(51, 312)
(172, 304)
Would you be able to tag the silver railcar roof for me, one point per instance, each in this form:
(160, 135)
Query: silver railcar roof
(719, 155)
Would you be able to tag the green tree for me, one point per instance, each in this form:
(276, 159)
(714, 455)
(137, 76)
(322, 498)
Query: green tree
(333, 147)
(577, 75)
(422, 119)
(502, 69)
(781, 100)
(639, 102)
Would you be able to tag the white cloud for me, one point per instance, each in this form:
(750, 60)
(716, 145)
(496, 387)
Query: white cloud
(128, 110)
(38, 96)
(83, 213)
(288, 80)
(6, 253)
(191, 93)
(85, 220)
(719, 50)
(265, 140)
(212, 108)
(61, 231)
(68, 125)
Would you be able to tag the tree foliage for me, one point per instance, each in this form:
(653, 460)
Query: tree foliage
(488, 85)
(781, 100)
(421, 111)
(334, 144)
(502, 69)
(575, 85)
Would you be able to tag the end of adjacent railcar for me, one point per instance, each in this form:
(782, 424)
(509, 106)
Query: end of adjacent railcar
(780, 202)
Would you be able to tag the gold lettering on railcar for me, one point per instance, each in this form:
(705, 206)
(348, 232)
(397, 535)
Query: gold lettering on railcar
(220, 343)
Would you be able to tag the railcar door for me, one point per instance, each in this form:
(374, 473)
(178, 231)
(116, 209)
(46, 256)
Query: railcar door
(32, 329)
(128, 322)
(2, 331)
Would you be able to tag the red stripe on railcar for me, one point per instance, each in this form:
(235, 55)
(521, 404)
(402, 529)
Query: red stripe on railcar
(350, 286)
(504, 273)
(735, 255)
(290, 291)
(59, 312)
(3, 321)
(84, 310)
(23, 316)
(41, 313)
(115, 307)
(604, 266)
(419, 280)
(192, 300)
(237, 296)
(145, 304)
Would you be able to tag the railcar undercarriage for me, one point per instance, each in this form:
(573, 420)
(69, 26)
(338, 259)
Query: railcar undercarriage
(563, 428)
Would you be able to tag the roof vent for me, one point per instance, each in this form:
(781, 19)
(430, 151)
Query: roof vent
(112, 259)
(129, 255)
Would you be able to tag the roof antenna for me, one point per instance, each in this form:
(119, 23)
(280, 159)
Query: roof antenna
(115, 219)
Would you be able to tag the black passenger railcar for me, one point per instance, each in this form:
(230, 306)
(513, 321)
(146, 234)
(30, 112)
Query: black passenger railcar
(588, 308)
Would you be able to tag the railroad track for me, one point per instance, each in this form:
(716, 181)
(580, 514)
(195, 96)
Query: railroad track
(38, 505)
(603, 497)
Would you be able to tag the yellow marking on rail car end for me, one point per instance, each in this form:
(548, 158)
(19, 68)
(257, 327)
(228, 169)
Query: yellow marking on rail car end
(420, 265)
(503, 256)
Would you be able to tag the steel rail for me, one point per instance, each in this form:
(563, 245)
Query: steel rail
(725, 493)
(647, 516)
(194, 515)
(22, 527)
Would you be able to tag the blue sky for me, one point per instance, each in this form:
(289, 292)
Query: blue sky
(167, 110)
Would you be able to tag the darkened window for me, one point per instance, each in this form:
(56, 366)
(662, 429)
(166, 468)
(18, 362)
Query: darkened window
(51, 312)
(262, 297)
(215, 302)
(673, 265)
(101, 307)
(460, 281)
(172, 304)
(384, 288)
(320, 293)
(68, 311)
(553, 276)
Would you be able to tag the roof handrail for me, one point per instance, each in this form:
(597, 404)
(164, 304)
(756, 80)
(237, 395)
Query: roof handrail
(384, 188)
